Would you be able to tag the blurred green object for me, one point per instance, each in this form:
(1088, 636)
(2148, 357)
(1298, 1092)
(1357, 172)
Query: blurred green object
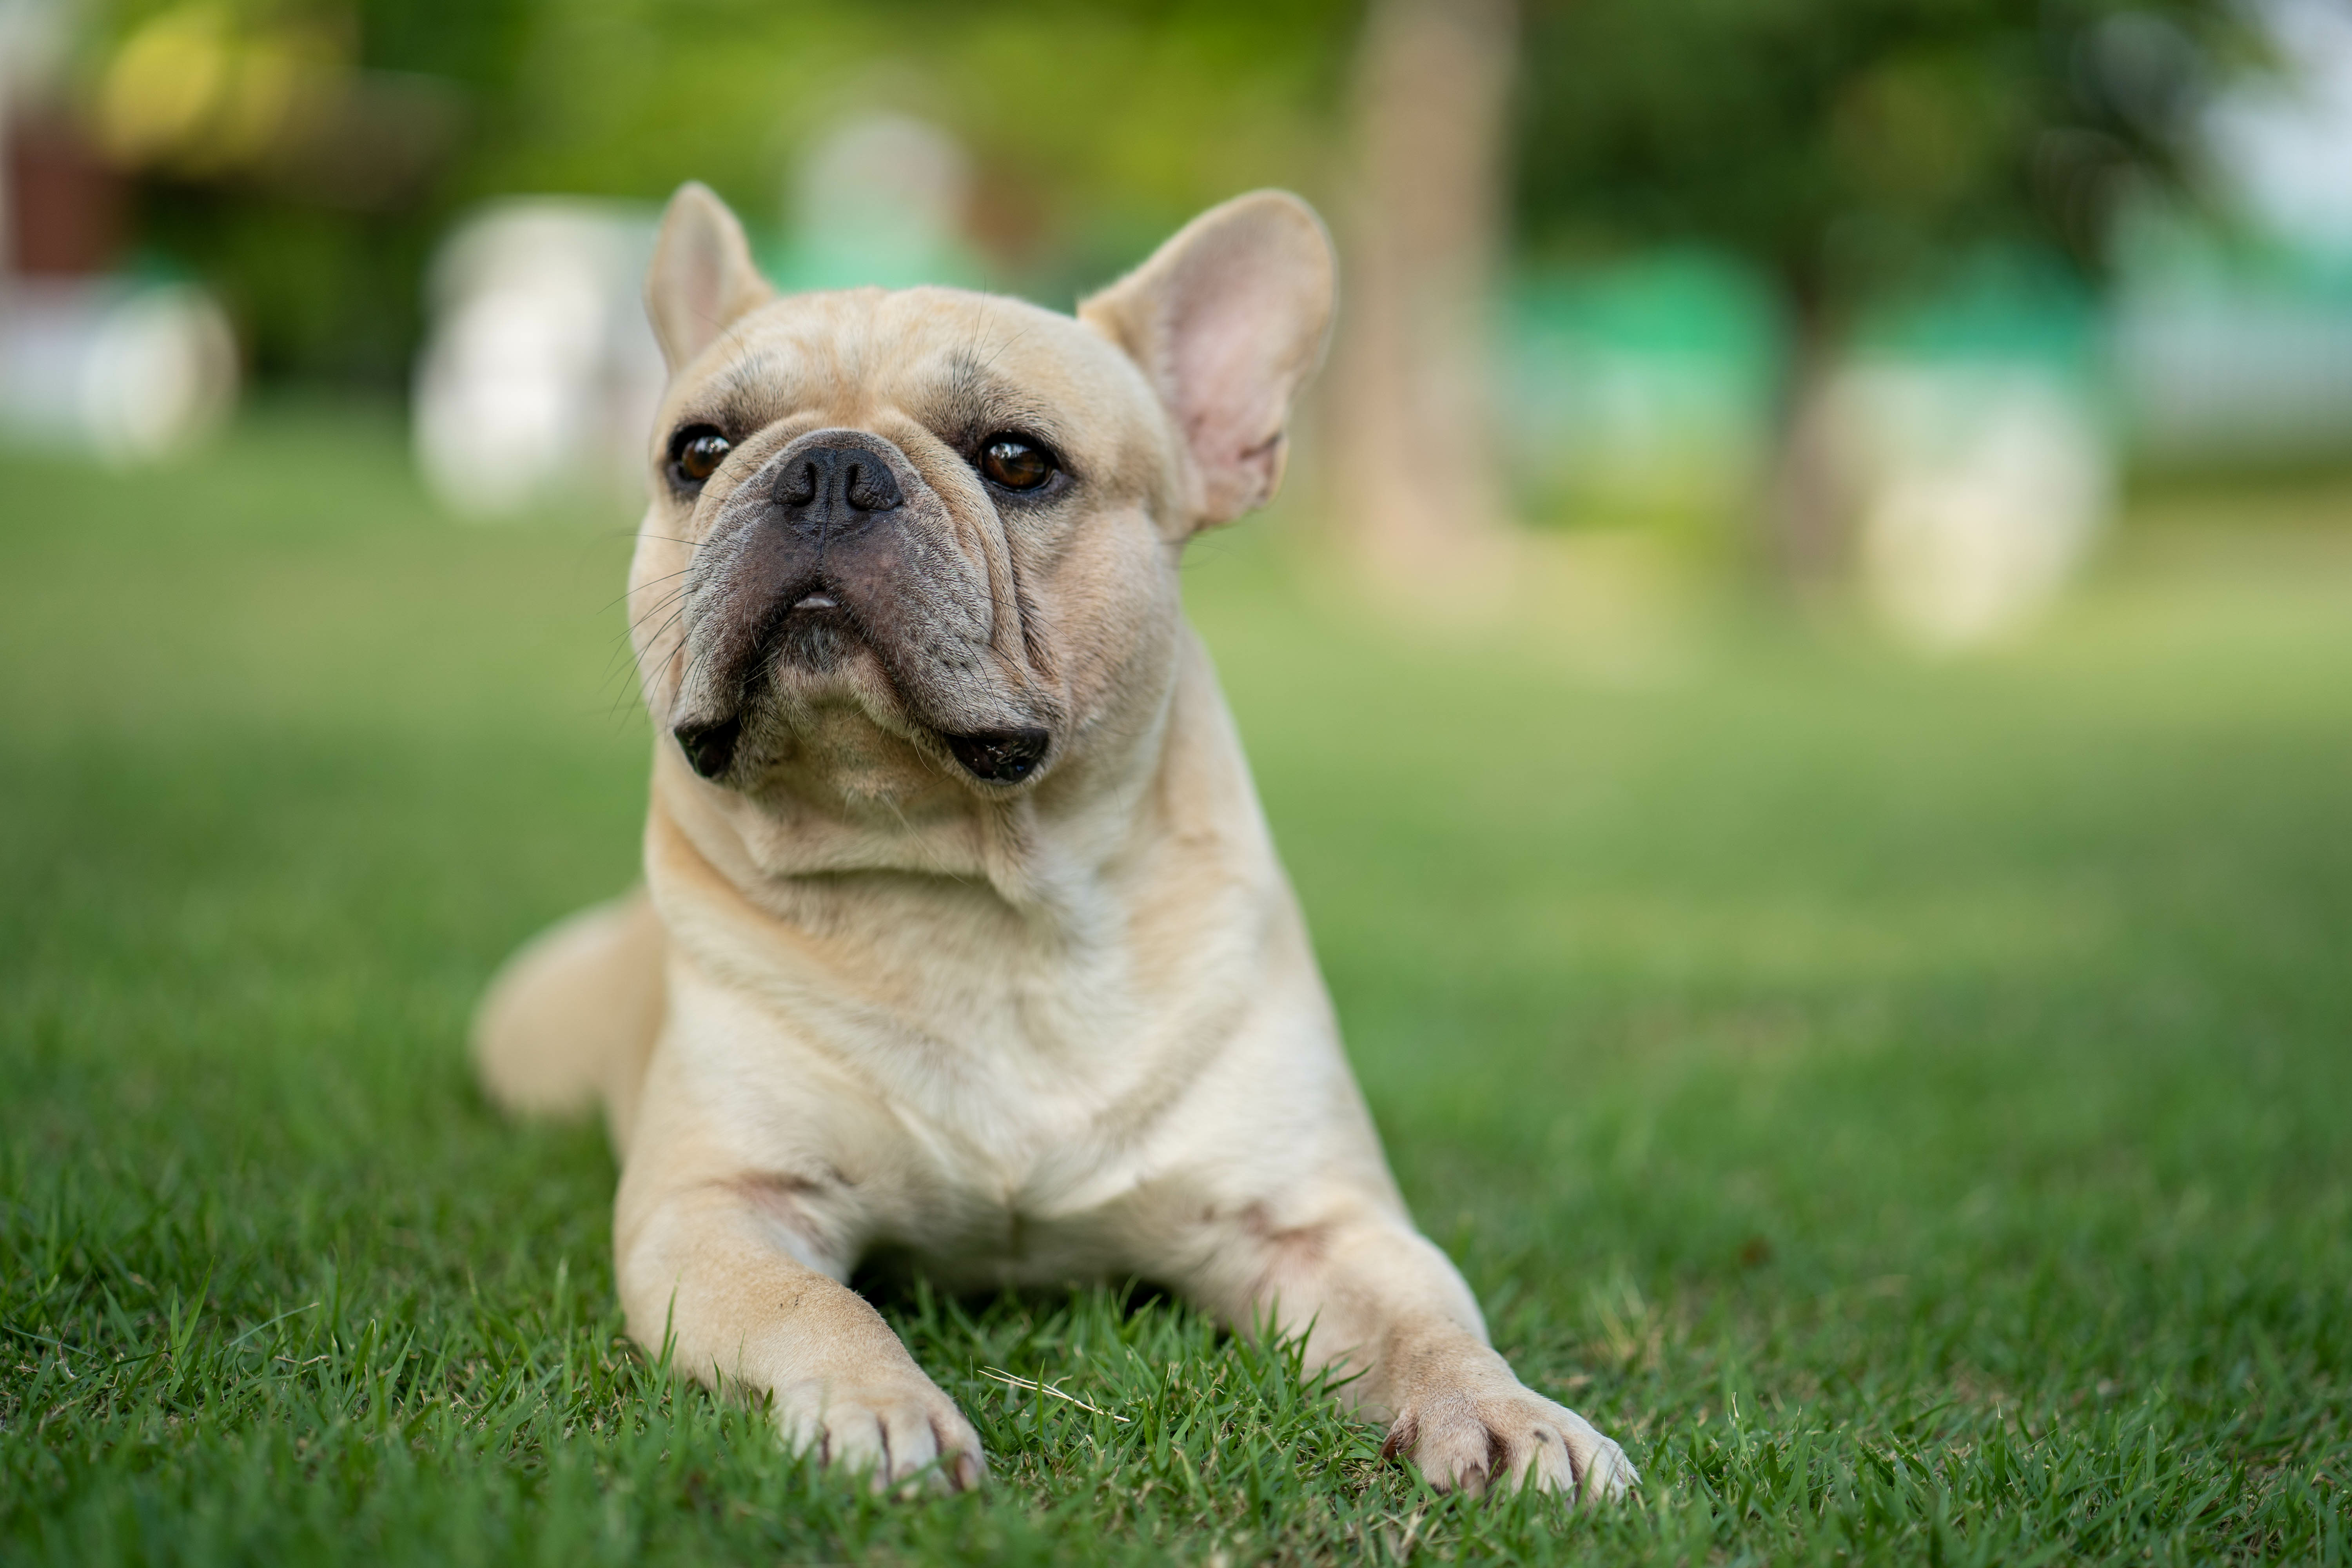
(1636, 392)
(1643, 391)
(2019, 307)
(1905, 1102)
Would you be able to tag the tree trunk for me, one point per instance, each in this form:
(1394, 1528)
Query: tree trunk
(1806, 525)
(1415, 478)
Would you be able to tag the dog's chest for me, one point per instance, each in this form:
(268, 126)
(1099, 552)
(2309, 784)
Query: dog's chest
(1020, 1084)
(991, 1087)
(1025, 1101)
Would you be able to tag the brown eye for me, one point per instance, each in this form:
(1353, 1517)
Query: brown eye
(1016, 464)
(698, 453)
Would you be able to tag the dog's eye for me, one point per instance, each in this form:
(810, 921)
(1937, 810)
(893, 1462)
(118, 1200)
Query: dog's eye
(1016, 464)
(696, 452)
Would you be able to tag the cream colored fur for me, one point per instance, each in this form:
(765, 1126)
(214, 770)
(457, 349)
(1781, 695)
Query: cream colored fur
(1068, 1026)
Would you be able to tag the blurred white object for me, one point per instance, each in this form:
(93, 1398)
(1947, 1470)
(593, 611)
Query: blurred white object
(129, 372)
(540, 377)
(1980, 490)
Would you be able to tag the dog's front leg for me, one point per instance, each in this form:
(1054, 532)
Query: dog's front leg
(1379, 1303)
(721, 1269)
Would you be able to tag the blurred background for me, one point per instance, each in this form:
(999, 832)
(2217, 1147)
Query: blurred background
(1885, 305)
(1800, 678)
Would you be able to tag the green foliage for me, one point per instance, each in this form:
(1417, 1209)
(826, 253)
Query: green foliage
(1848, 146)
(1094, 125)
(1903, 1104)
(1096, 129)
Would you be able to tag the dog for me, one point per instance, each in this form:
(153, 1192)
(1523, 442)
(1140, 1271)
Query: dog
(961, 929)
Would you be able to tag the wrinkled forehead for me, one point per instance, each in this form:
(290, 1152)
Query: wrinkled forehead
(964, 365)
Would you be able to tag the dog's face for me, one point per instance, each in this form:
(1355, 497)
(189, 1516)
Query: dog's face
(903, 544)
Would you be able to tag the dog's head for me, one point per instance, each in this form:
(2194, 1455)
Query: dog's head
(908, 541)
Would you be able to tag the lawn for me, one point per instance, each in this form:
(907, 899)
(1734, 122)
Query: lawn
(1907, 1104)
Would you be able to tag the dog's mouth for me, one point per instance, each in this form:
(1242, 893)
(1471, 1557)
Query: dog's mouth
(815, 632)
(812, 629)
(994, 756)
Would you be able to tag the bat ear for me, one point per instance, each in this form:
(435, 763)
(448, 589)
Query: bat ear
(702, 278)
(1228, 319)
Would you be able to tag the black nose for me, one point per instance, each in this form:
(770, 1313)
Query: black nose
(826, 489)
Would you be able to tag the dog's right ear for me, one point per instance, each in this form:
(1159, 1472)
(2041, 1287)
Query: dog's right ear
(702, 278)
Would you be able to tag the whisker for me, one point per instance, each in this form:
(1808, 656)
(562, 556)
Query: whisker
(672, 597)
(652, 659)
(1004, 345)
(624, 642)
(635, 589)
(653, 641)
(921, 843)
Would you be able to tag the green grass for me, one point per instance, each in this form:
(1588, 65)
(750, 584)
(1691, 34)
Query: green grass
(1907, 1105)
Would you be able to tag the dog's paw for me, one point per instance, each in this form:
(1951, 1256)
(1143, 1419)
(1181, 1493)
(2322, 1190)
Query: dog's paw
(898, 1430)
(1469, 1440)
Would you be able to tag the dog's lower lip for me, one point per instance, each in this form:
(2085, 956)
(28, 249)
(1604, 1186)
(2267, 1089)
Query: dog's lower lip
(709, 747)
(1000, 756)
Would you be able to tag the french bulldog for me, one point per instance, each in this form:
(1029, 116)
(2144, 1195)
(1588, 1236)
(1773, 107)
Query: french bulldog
(961, 929)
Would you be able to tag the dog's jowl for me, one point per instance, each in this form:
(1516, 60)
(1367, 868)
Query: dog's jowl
(961, 922)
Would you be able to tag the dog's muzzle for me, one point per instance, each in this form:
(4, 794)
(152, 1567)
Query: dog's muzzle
(835, 544)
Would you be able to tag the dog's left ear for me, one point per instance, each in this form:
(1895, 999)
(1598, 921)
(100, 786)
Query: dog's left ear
(1228, 319)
